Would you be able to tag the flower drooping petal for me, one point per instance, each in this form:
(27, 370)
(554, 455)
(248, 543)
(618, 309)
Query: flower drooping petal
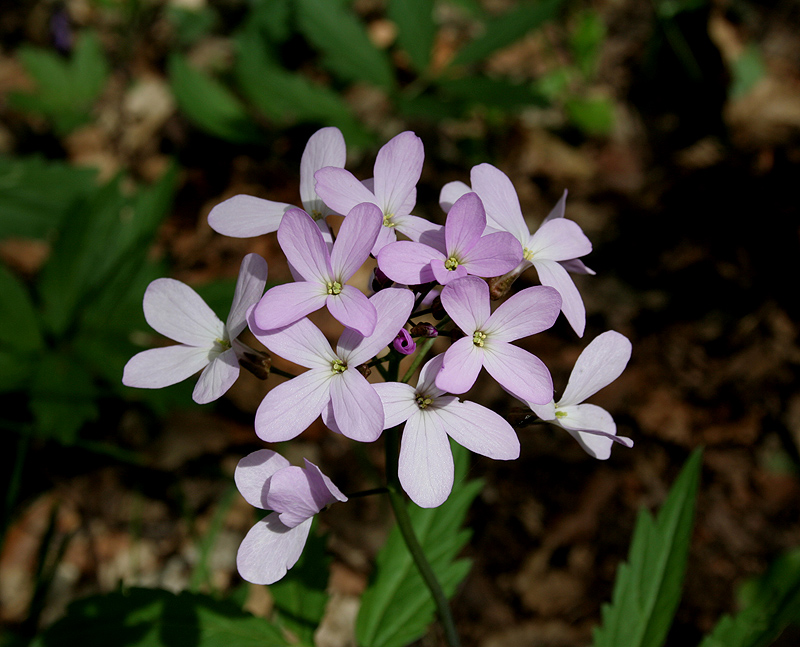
(290, 408)
(600, 363)
(326, 147)
(425, 464)
(217, 377)
(297, 494)
(178, 312)
(593, 427)
(160, 367)
(245, 216)
(253, 472)
(249, 288)
(270, 549)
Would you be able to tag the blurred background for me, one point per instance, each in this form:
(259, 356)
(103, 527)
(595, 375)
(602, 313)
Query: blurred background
(675, 126)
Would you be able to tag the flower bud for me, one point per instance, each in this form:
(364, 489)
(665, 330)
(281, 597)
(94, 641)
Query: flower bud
(379, 280)
(403, 343)
(424, 330)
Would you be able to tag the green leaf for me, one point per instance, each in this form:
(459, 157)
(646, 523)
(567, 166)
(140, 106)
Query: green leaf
(507, 29)
(339, 35)
(397, 607)
(593, 115)
(586, 41)
(771, 603)
(747, 70)
(155, 618)
(416, 29)
(29, 212)
(209, 105)
(648, 587)
(496, 93)
(19, 328)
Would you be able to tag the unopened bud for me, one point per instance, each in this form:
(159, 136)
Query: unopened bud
(500, 285)
(365, 370)
(437, 310)
(379, 280)
(257, 362)
(424, 330)
(403, 343)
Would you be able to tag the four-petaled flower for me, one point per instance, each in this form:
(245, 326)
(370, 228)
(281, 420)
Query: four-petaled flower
(178, 312)
(600, 363)
(294, 494)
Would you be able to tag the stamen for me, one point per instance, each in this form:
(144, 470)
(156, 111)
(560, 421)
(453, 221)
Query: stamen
(338, 366)
(527, 254)
(478, 338)
(451, 264)
(316, 214)
(561, 414)
(387, 220)
(334, 288)
(423, 401)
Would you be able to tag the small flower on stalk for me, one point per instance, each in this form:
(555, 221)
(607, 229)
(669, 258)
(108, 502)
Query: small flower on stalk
(488, 335)
(600, 363)
(426, 463)
(403, 343)
(294, 494)
(178, 312)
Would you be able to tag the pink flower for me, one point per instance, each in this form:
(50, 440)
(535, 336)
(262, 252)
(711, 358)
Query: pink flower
(244, 216)
(178, 312)
(600, 363)
(333, 386)
(295, 494)
(464, 250)
(426, 463)
(393, 189)
(322, 275)
(488, 336)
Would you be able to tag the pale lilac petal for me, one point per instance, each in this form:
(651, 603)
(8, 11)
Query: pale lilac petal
(519, 372)
(178, 312)
(528, 312)
(340, 189)
(356, 237)
(467, 303)
(398, 166)
(421, 231)
(593, 427)
(444, 275)
(425, 465)
(559, 240)
(289, 302)
(305, 249)
(465, 224)
(249, 288)
(253, 472)
(500, 200)
(352, 308)
(479, 429)
(270, 549)
(451, 192)
(160, 367)
(386, 236)
(427, 377)
(217, 377)
(552, 274)
(493, 255)
(460, 367)
(398, 401)
(408, 262)
(393, 306)
(245, 216)
(292, 496)
(301, 342)
(544, 411)
(600, 363)
(576, 266)
(290, 408)
(325, 147)
(357, 409)
(322, 487)
(558, 210)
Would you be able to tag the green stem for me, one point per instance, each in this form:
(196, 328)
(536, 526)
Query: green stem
(422, 351)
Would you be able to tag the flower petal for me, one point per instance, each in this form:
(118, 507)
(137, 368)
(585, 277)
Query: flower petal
(425, 465)
(398, 166)
(467, 303)
(421, 231)
(340, 189)
(253, 472)
(386, 236)
(325, 147)
(465, 224)
(245, 216)
(519, 372)
(160, 367)
(292, 496)
(357, 409)
(270, 549)
(217, 377)
(551, 273)
(301, 342)
(178, 312)
(356, 237)
(446, 276)
(500, 200)
(305, 249)
(528, 312)
(546, 412)
(352, 308)
(600, 363)
(427, 377)
(451, 192)
(480, 430)
(290, 408)
(559, 240)
(460, 366)
(559, 209)
(398, 402)
(408, 262)
(493, 255)
(287, 303)
(249, 289)
(593, 427)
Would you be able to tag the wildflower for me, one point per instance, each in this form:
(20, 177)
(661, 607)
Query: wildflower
(426, 463)
(294, 494)
(244, 216)
(178, 312)
(322, 274)
(487, 337)
(332, 387)
(553, 249)
(393, 189)
(600, 363)
(464, 250)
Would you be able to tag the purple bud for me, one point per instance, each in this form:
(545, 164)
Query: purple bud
(403, 343)
(424, 330)
(380, 281)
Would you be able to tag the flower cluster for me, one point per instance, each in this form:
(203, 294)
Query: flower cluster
(438, 281)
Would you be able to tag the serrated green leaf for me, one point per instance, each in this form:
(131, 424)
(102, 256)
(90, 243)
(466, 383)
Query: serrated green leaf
(155, 618)
(416, 29)
(772, 602)
(347, 50)
(397, 608)
(209, 105)
(507, 29)
(593, 115)
(29, 212)
(647, 589)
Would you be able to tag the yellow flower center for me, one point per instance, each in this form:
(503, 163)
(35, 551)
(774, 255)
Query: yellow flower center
(478, 338)
(423, 401)
(334, 288)
(387, 220)
(338, 366)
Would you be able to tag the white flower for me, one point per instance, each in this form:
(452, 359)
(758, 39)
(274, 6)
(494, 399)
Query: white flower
(178, 312)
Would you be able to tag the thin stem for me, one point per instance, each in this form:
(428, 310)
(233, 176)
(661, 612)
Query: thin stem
(362, 493)
(422, 351)
(278, 371)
